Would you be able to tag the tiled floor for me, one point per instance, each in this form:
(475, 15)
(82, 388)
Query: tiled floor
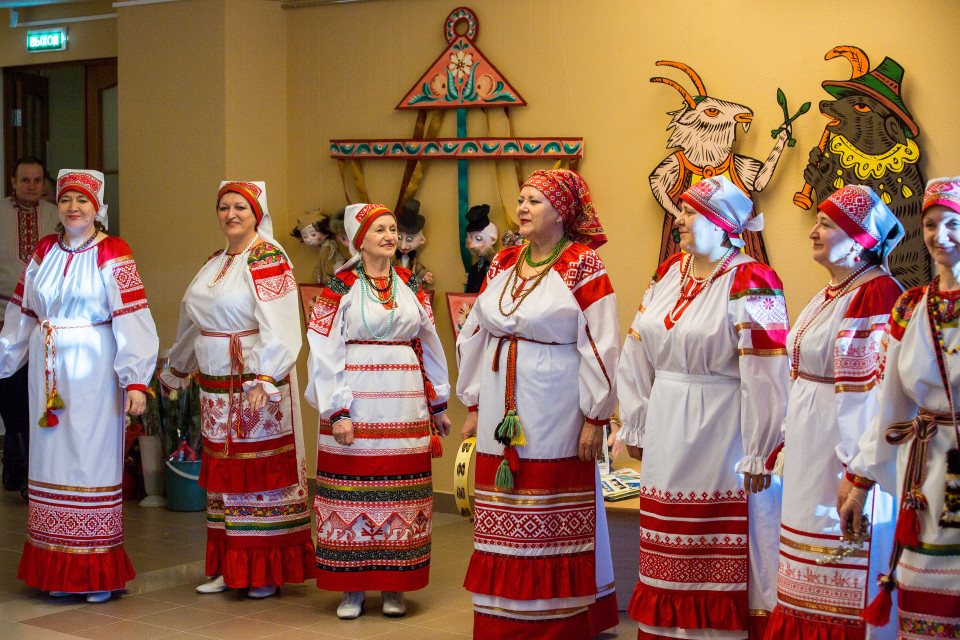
(167, 551)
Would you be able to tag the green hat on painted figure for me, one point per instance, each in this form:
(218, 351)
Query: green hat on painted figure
(883, 83)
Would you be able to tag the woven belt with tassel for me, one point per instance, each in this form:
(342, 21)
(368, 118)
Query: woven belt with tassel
(436, 446)
(509, 432)
(54, 400)
(236, 369)
(918, 432)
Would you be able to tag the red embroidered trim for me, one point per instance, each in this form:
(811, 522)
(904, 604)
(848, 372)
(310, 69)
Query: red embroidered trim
(860, 481)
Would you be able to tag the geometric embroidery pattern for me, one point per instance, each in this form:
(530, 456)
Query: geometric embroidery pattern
(132, 293)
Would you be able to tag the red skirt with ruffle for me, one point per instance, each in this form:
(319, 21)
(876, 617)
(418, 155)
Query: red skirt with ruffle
(251, 561)
(74, 572)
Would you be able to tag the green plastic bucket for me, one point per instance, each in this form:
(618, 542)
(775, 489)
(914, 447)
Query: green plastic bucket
(183, 492)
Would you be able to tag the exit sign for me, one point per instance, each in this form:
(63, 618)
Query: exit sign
(47, 40)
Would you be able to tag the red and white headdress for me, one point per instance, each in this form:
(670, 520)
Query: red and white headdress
(89, 183)
(569, 195)
(943, 191)
(864, 217)
(357, 219)
(255, 193)
(725, 205)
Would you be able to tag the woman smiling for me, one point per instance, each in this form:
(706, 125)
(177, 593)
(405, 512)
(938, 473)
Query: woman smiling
(379, 378)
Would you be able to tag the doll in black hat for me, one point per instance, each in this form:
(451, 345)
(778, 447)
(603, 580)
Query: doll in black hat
(410, 225)
(481, 237)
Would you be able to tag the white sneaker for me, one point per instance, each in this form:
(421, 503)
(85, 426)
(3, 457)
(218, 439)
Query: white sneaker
(215, 585)
(261, 592)
(351, 606)
(98, 596)
(63, 594)
(393, 604)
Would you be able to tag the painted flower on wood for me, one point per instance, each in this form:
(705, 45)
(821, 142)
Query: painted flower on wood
(461, 63)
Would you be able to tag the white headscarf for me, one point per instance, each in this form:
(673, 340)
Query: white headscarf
(357, 218)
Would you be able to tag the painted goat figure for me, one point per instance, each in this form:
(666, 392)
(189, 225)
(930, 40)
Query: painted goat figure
(704, 130)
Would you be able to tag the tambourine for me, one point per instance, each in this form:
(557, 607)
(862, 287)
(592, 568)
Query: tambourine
(461, 477)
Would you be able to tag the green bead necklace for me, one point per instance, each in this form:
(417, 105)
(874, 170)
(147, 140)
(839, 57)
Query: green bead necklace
(550, 258)
(366, 287)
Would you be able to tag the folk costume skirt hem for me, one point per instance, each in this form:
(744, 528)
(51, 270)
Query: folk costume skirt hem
(784, 626)
(532, 578)
(253, 562)
(687, 610)
(74, 572)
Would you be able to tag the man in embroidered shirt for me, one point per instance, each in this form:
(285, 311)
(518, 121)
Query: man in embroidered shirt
(24, 219)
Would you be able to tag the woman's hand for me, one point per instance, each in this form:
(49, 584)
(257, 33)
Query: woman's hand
(591, 440)
(851, 512)
(257, 397)
(442, 423)
(343, 431)
(469, 425)
(843, 492)
(136, 402)
(755, 482)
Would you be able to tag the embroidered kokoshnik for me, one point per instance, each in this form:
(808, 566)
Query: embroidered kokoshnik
(54, 401)
(509, 432)
(436, 447)
(236, 369)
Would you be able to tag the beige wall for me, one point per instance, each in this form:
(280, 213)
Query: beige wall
(86, 40)
(240, 88)
(584, 69)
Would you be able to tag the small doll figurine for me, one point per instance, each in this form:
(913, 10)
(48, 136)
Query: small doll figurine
(313, 230)
(481, 237)
(410, 225)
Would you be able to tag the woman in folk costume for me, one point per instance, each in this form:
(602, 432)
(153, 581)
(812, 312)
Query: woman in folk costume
(833, 350)
(703, 388)
(239, 326)
(537, 359)
(379, 379)
(913, 445)
(80, 314)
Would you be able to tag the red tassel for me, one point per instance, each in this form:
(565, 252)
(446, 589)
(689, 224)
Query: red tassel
(52, 419)
(513, 458)
(431, 394)
(878, 613)
(908, 528)
(436, 447)
(772, 458)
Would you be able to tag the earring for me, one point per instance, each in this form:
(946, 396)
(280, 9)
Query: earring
(856, 258)
(559, 220)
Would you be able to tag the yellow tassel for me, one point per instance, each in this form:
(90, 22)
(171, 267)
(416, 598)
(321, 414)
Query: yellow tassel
(54, 401)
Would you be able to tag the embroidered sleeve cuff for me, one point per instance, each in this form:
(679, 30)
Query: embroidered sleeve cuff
(337, 416)
(473, 408)
(179, 374)
(269, 385)
(860, 481)
(173, 381)
(438, 408)
(597, 422)
(137, 387)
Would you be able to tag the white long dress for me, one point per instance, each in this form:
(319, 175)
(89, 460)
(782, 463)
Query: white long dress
(83, 319)
(374, 499)
(705, 398)
(541, 564)
(928, 575)
(254, 466)
(832, 400)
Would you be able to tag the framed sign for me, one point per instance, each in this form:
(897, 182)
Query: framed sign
(459, 305)
(309, 292)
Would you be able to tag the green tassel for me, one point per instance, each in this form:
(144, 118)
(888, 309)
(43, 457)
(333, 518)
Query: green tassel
(55, 401)
(504, 478)
(43, 420)
(509, 430)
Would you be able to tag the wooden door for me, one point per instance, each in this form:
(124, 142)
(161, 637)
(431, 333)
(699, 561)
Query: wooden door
(26, 117)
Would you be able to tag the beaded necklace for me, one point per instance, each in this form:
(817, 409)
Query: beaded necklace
(86, 243)
(514, 279)
(553, 255)
(366, 286)
(227, 262)
(675, 312)
(840, 288)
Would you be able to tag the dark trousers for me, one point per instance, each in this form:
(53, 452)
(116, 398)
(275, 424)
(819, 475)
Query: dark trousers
(15, 412)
